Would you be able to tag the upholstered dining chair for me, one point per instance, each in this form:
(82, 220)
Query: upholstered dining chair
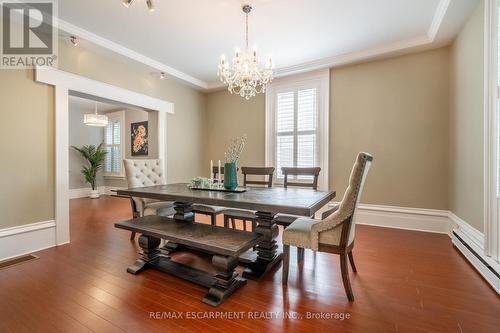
(335, 232)
(307, 173)
(231, 215)
(146, 172)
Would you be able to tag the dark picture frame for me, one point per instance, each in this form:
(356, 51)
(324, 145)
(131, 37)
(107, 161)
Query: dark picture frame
(139, 141)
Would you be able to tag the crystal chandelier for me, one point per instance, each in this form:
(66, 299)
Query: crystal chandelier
(95, 119)
(244, 77)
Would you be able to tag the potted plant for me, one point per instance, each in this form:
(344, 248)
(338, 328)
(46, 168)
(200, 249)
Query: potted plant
(95, 158)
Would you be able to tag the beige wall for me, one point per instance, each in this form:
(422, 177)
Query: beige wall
(229, 116)
(28, 110)
(466, 101)
(396, 109)
(27, 149)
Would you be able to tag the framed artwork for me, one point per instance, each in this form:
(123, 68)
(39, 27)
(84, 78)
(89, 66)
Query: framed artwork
(139, 138)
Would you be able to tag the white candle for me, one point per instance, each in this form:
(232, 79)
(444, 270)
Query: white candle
(218, 174)
(211, 169)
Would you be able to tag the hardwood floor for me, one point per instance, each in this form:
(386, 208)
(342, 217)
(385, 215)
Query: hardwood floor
(406, 282)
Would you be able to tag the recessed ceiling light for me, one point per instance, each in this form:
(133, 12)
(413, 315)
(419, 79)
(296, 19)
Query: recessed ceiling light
(73, 40)
(127, 3)
(149, 3)
(151, 6)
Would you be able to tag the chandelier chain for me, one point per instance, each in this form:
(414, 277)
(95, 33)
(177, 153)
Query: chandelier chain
(246, 31)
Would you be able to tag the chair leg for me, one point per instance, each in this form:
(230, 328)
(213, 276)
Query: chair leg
(245, 225)
(286, 260)
(213, 219)
(345, 277)
(233, 223)
(132, 235)
(226, 221)
(351, 260)
(300, 254)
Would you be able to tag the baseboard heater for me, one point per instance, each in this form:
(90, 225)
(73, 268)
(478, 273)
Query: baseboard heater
(485, 269)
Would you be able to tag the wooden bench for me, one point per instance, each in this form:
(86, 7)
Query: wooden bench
(226, 245)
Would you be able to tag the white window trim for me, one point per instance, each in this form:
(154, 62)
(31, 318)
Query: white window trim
(322, 79)
(120, 115)
(491, 135)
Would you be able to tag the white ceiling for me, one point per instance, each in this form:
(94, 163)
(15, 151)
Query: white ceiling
(89, 104)
(186, 37)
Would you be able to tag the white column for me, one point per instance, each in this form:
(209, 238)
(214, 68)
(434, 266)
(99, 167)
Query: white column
(62, 165)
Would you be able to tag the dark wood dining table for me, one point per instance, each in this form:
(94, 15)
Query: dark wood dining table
(266, 202)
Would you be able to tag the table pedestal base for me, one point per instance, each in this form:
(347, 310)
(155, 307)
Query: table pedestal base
(221, 284)
(267, 249)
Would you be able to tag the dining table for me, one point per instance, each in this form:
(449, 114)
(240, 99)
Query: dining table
(265, 202)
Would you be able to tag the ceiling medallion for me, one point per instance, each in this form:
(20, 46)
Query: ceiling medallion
(243, 76)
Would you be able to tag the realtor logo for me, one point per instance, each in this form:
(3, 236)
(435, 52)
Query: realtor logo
(29, 34)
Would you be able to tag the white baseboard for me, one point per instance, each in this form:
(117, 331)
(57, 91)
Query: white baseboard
(418, 219)
(27, 238)
(437, 221)
(85, 192)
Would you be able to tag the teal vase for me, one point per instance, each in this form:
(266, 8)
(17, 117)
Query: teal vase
(230, 176)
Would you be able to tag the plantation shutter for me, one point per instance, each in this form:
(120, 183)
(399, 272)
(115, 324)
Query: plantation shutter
(113, 141)
(296, 129)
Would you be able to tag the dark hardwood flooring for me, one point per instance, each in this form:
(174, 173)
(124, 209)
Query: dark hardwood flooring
(406, 282)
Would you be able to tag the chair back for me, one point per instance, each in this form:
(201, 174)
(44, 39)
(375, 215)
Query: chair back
(352, 195)
(146, 172)
(258, 171)
(290, 171)
(141, 173)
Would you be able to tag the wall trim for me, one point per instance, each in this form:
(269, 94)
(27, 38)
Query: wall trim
(427, 38)
(125, 51)
(365, 54)
(470, 241)
(406, 218)
(28, 238)
(491, 133)
(68, 83)
(84, 192)
(321, 81)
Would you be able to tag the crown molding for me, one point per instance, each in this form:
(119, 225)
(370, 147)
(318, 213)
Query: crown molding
(441, 10)
(120, 49)
(343, 59)
(363, 55)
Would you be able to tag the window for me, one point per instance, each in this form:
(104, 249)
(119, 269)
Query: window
(113, 143)
(297, 124)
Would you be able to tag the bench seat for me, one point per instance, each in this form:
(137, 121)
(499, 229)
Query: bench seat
(226, 245)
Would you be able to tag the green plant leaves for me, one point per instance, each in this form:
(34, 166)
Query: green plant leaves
(95, 158)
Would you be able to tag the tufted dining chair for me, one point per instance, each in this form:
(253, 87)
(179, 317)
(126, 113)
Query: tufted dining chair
(146, 172)
(335, 232)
